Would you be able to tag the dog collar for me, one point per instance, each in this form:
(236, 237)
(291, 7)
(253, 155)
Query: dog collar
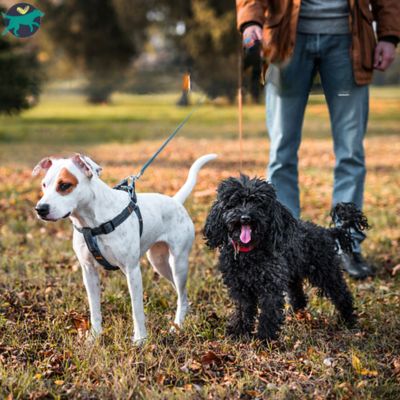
(241, 249)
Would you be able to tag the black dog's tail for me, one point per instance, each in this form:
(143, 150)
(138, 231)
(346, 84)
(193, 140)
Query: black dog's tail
(347, 218)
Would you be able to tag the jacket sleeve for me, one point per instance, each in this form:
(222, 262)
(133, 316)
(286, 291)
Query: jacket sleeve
(251, 11)
(387, 16)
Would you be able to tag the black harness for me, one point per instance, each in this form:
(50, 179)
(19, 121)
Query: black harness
(90, 234)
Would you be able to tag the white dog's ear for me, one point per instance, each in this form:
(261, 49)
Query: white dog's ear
(93, 165)
(86, 165)
(43, 165)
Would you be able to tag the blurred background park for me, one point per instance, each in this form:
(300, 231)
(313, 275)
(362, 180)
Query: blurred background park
(103, 71)
(105, 77)
(100, 71)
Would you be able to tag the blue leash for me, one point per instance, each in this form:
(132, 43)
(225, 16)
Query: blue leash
(130, 188)
(170, 137)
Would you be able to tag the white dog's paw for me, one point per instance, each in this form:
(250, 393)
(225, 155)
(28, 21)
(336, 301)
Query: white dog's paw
(92, 336)
(139, 341)
(175, 327)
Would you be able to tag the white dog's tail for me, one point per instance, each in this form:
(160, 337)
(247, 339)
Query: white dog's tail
(187, 188)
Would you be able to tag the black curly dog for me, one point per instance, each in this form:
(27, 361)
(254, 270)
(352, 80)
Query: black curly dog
(265, 252)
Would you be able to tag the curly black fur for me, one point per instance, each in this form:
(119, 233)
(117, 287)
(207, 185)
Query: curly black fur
(349, 218)
(284, 252)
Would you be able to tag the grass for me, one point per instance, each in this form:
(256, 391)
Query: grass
(43, 305)
(129, 118)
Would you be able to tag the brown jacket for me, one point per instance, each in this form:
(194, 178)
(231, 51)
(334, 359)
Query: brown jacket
(279, 19)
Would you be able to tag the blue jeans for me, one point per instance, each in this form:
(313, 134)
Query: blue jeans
(288, 89)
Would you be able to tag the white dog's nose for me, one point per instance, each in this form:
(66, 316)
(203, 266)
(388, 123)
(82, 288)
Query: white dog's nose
(42, 209)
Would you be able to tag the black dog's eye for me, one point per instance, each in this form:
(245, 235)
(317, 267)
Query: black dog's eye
(230, 204)
(64, 186)
(256, 199)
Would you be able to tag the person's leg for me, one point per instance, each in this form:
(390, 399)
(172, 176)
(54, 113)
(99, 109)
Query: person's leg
(348, 109)
(287, 93)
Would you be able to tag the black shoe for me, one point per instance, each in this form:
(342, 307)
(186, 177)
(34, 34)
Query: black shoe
(364, 265)
(356, 266)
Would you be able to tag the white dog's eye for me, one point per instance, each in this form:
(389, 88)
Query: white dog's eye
(64, 186)
(43, 184)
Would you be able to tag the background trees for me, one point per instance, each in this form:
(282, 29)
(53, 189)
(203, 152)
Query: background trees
(208, 43)
(133, 45)
(101, 37)
(19, 74)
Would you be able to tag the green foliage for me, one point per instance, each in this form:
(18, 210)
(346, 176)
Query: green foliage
(96, 35)
(19, 75)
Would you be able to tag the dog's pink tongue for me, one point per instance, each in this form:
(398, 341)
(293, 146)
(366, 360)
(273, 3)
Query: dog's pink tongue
(245, 234)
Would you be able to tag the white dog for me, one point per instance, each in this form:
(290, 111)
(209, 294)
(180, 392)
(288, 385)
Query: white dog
(72, 188)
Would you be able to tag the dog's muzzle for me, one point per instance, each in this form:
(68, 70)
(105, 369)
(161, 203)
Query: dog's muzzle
(43, 210)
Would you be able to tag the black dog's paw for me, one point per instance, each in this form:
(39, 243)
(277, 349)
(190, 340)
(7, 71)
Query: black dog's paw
(266, 339)
(267, 335)
(242, 337)
(236, 330)
(350, 321)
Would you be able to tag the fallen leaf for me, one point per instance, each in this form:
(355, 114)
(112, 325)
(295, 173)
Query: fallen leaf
(59, 382)
(80, 322)
(195, 366)
(396, 366)
(253, 393)
(209, 358)
(160, 379)
(303, 316)
(367, 372)
(356, 363)
(191, 365)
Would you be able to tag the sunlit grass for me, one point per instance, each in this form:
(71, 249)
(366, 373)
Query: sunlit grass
(69, 119)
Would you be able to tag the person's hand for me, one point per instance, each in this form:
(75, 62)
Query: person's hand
(251, 34)
(384, 55)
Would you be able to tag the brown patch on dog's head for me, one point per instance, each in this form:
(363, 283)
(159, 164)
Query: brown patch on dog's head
(66, 182)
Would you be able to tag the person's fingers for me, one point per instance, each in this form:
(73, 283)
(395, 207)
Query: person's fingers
(251, 34)
(258, 32)
(387, 59)
(385, 62)
(377, 56)
(253, 30)
(384, 56)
